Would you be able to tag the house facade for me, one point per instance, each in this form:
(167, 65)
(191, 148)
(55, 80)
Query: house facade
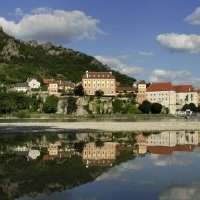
(173, 97)
(95, 81)
(141, 91)
(164, 94)
(185, 94)
(20, 87)
(33, 83)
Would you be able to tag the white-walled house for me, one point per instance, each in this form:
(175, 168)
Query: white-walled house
(185, 94)
(20, 87)
(163, 93)
(33, 83)
(173, 97)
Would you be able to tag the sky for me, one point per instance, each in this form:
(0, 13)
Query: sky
(157, 40)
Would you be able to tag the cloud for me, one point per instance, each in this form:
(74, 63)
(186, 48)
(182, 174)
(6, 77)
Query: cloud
(59, 26)
(169, 75)
(189, 192)
(118, 65)
(146, 53)
(176, 158)
(180, 42)
(194, 18)
(178, 76)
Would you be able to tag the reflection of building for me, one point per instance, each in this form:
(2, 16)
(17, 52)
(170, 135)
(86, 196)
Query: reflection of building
(173, 138)
(104, 81)
(53, 150)
(141, 145)
(100, 155)
(167, 142)
(33, 154)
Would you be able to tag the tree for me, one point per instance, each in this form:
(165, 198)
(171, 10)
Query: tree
(145, 107)
(71, 105)
(156, 108)
(191, 107)
(117, 106)
(79, 91)
(50, 105)
(99, 93)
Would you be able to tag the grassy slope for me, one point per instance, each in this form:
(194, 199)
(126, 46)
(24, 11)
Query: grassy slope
(35, 61)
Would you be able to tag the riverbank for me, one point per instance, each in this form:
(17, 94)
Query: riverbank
(173, 125)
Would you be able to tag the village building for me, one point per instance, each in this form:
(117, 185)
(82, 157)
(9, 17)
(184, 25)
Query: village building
(120, 90)
(162, 93)
(33, 83)
(20, 87)
(141, 91)
(53, 88)
(185, 94)
(99, 81)
(173, 97)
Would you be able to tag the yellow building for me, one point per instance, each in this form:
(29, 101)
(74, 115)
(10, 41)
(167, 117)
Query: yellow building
(95, 81)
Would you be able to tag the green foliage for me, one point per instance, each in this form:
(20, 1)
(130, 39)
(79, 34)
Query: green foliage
(145, 107)
(191, 107)
(13, 101)
(99, 93)
(37, 61)
(50, 105)
(156, 108)
(71, 105)
(117, 106)
(78, 90)
(22, 114)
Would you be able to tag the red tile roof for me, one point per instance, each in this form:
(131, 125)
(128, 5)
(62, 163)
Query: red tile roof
(167, 86)
(183, 88)
(160, 86)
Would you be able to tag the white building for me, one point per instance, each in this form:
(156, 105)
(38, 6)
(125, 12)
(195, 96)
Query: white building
(164, 94)
(53, 88)
(185, 94)
(20, 87)
(33, 83)
(171, 96)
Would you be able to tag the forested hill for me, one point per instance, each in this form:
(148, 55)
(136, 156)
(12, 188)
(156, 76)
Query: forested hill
(19, 60)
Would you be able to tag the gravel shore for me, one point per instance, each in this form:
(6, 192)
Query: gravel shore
(98, 126)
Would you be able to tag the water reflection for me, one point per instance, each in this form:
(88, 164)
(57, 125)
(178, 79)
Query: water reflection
(167, 142)
(48, 166)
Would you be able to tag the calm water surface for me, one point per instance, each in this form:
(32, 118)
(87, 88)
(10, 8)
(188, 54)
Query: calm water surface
(162, 165)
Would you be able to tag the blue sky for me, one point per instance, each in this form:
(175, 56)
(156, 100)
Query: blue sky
(123, 34)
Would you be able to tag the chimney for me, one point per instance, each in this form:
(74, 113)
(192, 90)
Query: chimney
(87, 74)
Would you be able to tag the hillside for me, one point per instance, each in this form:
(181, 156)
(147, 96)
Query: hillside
(19, 59)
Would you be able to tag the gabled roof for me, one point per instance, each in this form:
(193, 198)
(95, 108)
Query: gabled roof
(160, 86)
